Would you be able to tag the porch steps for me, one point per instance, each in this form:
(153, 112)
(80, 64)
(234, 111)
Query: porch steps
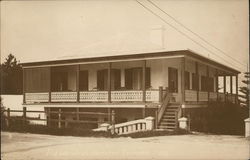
(169, 119)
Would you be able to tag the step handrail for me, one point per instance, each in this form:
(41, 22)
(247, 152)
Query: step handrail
(163, 107)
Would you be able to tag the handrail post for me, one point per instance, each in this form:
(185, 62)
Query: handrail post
(113, 122)
(8, 117)
(48, 117)
(59, 118)
(24, 115)
(160, 94)
(156, 119)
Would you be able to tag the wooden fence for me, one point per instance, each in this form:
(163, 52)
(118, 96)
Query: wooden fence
(24, 118)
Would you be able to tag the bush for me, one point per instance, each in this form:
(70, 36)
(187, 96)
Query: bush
(219, 118)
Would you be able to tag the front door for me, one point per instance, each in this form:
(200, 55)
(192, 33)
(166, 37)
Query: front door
(173, 80)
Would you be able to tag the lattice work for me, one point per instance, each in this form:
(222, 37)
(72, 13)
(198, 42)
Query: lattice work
(152, 96)
(203, 96)
(212, 96)
(36, 97)
(190, 95)
(126, 96)
(63, 96)
(94, 96)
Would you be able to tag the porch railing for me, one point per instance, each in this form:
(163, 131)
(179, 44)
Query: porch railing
(190, 95)
(213, 96)
(63, 96)
(36, 97)
(203, 96)
(96, 96)
(126, 96)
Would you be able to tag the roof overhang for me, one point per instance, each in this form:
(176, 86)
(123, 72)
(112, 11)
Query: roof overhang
(131, 57)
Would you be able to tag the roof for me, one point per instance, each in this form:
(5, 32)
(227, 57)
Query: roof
(186, 53)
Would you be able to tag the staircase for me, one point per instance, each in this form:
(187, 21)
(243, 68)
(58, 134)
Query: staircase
(169, 118)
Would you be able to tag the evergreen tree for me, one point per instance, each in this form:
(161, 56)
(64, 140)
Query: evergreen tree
(11, 76)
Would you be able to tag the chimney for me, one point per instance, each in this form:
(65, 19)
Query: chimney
(157, 35)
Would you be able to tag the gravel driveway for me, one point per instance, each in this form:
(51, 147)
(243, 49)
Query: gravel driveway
(18, 146)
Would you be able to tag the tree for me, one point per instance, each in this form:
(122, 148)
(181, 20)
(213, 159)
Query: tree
(245, 90)
(11, 76)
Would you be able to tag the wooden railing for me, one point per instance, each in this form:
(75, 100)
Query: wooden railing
(63, 96)
(94, 96)
(36, 97)
(203, 96)
(190, 95)
(163, 107)
(126, 96)
(7, 115)
(213, 96)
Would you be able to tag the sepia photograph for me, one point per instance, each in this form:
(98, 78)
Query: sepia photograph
(124, 79)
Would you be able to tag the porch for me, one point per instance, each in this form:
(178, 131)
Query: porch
(133, 80)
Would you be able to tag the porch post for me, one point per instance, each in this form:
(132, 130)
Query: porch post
(197, 74)
(207, 84)
(236, 87)
(77, 82)
(24, 86)
(50, 84)
(217, 84)
(231, 84)
(144, 81)
(224, 83)
(182, 80)
(109, 82)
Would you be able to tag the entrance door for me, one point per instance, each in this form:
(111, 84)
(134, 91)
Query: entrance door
(173, 80)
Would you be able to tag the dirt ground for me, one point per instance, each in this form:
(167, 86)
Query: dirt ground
(18, 146)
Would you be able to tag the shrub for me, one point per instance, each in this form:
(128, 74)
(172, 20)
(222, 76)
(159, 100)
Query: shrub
(218, 118)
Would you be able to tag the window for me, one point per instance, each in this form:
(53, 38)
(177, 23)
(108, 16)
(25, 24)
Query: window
(84, 80)
(102, 79)
(37, 79)
(59, 81)
(195, 81)
(187, 80)
(204, 84)
(173, 80)
(207, 84)
(133, 78)
(210, 84)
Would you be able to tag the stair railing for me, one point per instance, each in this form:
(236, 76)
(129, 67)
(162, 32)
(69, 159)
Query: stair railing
(161, 110)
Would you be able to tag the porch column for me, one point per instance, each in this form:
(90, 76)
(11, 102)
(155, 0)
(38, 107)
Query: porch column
(182, 80)
(50, 84)
(24, 99)
(231, 85)
(224, 83)
(109, 82)
(197, 74)
(77, 82)
(207, 84)
(217, 83)
(144, 81)
(236, 88)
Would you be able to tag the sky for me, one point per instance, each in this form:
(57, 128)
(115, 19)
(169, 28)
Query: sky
(50, 30)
